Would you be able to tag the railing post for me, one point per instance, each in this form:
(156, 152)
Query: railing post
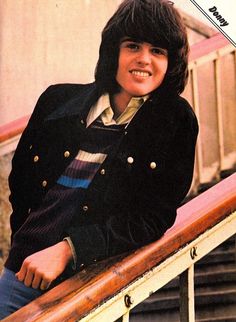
(195, 92)
(219, 110)
(187, 310)
(125, 317)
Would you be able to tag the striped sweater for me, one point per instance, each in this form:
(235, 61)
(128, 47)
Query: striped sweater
(46, 225)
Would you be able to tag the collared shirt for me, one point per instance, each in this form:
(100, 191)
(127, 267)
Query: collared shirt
(103, 109)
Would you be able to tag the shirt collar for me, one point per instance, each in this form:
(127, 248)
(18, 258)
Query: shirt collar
(103, 109)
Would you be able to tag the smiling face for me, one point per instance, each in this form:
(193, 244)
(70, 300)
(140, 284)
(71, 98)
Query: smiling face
(141, 68)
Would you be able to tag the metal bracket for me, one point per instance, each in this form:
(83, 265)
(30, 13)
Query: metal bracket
(128, 300)
(193, 252)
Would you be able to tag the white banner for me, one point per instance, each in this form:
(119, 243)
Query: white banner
(222, 14)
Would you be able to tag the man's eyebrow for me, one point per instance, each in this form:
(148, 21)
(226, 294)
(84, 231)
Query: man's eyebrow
(130, 39)
(157, 45)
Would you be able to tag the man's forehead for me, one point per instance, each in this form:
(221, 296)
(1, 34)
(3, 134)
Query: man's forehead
(141, 41)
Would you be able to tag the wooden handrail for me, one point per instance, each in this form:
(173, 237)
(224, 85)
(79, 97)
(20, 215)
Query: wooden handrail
(197, 50)
(75, 297)
(207, 46)
(12, 129)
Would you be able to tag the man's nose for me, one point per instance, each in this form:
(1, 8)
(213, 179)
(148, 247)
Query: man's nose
(144, 57)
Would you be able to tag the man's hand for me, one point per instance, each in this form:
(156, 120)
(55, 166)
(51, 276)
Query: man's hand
(41, 268)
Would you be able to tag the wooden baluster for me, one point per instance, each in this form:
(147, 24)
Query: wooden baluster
(187, 311)
(126, 317)
(219, 111)
(199, 156)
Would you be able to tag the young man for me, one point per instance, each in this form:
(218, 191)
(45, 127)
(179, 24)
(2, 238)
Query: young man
(101, 168)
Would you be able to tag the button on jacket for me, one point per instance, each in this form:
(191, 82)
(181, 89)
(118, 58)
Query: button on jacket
(133, 198)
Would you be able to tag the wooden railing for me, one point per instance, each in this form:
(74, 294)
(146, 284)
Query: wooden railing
(110, 289)
(10, 134)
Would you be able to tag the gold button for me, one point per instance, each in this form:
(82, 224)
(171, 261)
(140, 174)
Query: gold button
(36, 158)
(130, 160)
(44, 183)
(103, 171)
(153, 165)
(85, 208)
(66, 154)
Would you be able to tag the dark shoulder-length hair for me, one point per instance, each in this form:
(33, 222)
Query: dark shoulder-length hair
(153, 21)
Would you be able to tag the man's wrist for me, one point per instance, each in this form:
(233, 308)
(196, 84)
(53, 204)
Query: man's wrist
(73, 252)
(66, 250)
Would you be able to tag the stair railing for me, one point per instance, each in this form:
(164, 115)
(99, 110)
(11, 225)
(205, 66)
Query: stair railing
(108, 290)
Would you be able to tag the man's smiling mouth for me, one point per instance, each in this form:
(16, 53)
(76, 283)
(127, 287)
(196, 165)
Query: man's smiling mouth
(140, 73)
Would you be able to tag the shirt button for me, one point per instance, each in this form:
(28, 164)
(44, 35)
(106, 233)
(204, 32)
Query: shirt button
(36, 158)
(103, 171)
(82, 121)
(153, 165)
(85, 208)
(66, 154)
(130, 160)
(44, 183)
(30, 146)
(81, 265)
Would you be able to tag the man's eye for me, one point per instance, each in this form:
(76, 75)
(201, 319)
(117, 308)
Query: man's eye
(159, 51)
(132, 46)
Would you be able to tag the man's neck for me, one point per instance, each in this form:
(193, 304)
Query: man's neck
(119, 103)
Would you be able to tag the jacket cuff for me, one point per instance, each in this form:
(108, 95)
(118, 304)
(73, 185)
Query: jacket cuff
(73, 252)
(89, 244)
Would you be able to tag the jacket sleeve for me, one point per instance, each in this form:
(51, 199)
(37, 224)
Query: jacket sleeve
(19, 177)
(152, 211)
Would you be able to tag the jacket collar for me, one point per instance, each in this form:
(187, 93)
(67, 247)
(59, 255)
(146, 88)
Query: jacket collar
(79, 105)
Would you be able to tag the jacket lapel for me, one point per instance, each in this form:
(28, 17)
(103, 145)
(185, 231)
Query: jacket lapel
(77, 106)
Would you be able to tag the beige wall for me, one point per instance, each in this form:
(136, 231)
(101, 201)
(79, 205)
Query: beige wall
(45, 42)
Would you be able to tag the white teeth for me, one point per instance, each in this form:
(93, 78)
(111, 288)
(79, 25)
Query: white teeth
(139, 73)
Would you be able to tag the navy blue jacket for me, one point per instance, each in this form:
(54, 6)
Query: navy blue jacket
(127, 204)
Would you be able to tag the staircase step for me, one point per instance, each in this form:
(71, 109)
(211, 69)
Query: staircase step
(205, 295)
(219, 313)
(221, 273)
(219, 256)
(168, 315)
(207, 275)
(218, 319)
